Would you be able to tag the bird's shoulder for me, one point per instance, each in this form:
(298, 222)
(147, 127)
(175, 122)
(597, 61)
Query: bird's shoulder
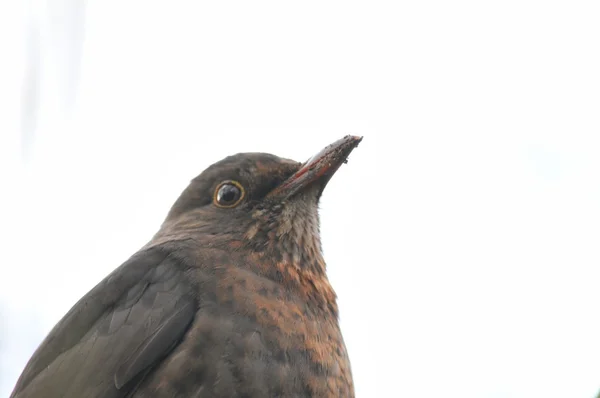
(115, 333)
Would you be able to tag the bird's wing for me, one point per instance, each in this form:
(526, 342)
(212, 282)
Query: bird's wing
(115, 334)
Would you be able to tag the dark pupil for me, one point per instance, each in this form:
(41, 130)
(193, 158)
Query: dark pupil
(228, 194)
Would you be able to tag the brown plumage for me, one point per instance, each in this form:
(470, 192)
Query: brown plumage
(229, 299)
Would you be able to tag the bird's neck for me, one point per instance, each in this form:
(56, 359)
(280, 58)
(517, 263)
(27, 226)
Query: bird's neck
(287, 249)
(300, 271)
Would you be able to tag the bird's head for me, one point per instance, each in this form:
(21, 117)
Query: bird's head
(260, 201)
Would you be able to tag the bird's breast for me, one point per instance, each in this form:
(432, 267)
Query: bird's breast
(251, 337)
(297, 341)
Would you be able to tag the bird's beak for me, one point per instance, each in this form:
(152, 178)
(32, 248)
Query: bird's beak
(319, 169)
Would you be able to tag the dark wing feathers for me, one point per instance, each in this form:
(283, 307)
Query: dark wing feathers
(115, 333)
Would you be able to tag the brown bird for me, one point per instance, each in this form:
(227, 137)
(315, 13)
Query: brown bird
(229, 299)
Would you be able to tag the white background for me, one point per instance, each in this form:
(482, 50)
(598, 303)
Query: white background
(462, 237)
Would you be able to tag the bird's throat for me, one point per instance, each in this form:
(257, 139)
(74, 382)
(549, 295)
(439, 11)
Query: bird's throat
(288, 247)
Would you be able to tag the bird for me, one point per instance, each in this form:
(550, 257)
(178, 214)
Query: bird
(229, 298)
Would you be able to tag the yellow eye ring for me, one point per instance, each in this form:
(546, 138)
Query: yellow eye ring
(228, 194)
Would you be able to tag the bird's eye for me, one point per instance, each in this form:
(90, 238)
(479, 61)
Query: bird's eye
(228, 194)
